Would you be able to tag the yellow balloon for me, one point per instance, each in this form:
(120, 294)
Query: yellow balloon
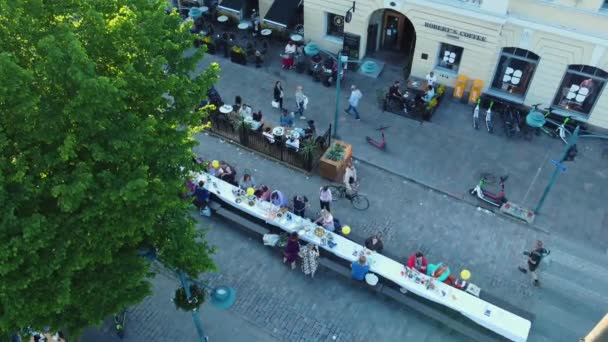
(345, 230)
(465, 274)
(250, 191)
(215, 164)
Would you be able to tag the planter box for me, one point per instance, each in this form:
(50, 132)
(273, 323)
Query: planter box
(332, 169)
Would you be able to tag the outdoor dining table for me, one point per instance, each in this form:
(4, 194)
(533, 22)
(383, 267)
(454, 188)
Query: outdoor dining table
(483, 313)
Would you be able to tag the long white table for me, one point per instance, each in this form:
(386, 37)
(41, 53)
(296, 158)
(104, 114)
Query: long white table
(483, 313)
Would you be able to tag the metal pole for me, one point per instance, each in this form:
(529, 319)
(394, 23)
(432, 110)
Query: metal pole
(195, 318)
(337, 95)
(571, 142)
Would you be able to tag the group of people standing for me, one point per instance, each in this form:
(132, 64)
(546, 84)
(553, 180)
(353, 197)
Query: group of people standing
(301, 99)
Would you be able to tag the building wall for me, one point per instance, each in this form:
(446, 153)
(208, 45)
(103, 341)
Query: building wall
(561, 32)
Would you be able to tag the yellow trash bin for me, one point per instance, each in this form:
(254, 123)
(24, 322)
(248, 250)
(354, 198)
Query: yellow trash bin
(475, 91)
(461, 84)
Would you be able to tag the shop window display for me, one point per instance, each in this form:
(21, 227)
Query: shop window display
(449, 57)
(515, 70)
(580, 88)
(335, 25)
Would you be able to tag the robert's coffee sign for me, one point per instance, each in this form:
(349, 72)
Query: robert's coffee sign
(453, 33)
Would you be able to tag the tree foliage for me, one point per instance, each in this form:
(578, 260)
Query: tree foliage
(91, 156)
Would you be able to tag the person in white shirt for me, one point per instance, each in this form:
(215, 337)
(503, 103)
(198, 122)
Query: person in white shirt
(430, 93)
(350, 179)
(353, 101)
(431, 79)
(293, 143)
(290, 50)
(268, 134)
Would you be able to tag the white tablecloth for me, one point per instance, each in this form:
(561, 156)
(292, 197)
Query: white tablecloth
(483, 313)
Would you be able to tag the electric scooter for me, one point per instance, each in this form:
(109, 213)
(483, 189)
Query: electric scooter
(496, 200)
(489, 125)
(476, 114)
(378, 144)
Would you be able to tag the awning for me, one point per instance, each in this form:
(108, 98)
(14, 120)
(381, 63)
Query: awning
(233, 6)
(281, 12)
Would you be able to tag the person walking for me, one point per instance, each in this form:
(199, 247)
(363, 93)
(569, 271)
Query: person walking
(292, 249)
(310, 259)
(301, 101)
(278, 94)
(325, 197)
(353, 101)
(535, 256)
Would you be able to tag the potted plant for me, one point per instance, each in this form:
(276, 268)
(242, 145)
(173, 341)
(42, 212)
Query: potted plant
(237, 55)
(429, 110)
(333, 162)
(181, 300)
(307, 149)
(208, 41)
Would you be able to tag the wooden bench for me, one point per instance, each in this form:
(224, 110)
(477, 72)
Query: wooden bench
(241, 222)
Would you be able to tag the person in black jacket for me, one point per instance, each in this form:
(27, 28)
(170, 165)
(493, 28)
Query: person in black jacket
(278, 94)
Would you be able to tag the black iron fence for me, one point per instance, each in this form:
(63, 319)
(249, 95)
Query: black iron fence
(306, 157)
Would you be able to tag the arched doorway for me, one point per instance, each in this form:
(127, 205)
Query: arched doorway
(391, 37)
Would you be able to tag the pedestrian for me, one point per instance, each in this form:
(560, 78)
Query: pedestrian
(431, 79)
(278, 94)
(300, 202)
(310, 259)
(290, 253)
(301, 101)
(534, 258)
(353, 101)
(325, 197)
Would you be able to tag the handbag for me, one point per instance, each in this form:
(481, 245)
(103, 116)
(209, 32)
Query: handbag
(275, 104)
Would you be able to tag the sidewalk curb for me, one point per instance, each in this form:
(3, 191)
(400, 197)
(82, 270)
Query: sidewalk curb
(455, 197)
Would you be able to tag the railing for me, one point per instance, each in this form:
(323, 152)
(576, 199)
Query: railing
(306, 158)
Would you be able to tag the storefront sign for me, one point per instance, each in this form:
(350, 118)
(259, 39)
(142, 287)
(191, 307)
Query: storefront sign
(453, 33)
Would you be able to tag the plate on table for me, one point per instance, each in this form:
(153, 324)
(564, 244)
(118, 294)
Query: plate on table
(278, 131)
(238, 200)
(251, 203)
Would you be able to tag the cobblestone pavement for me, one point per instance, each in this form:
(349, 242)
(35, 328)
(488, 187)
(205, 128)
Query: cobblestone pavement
(445, 154)
(412, 217)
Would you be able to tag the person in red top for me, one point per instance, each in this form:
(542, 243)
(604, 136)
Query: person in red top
(417, 261)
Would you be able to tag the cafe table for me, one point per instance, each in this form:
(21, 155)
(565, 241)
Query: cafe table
(490, 316)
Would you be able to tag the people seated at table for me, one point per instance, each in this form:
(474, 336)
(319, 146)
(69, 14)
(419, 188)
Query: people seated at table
(359, 268)
(374, 243)
(429, 94)
(417, 261)
(286, 120)
(290, 50)
(350, 179)
(246, 182)
(300, 202)
(257, 117)
(442, 273)
(227, 173)
(311, 130)
(263, 193)
(268, 135)
(245, 111)
(394, 94)
(326, 220)
(293, 143)
(278, 198)
(290, 253)
(238, 102)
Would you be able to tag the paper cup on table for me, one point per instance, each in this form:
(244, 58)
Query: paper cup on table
(371, 279)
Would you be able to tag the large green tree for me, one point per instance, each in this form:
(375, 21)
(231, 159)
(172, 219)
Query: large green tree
(91, 156)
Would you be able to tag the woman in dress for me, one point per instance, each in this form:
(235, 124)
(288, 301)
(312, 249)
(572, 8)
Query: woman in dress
(310, 259)
(290, 253)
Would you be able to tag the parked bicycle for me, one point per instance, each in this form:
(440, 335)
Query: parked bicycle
(359, 201)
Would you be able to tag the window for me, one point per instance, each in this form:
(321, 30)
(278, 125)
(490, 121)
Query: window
(605, 4)
(335, 25)
(514, 72)
(580, 88)
(449, 57)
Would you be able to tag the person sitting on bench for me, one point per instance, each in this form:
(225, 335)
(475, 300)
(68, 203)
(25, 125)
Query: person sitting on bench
(359, 268)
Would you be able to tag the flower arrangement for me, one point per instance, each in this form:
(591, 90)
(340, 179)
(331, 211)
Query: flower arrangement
(181, 301)
(237, 50)
(440, 90)
(432, 104)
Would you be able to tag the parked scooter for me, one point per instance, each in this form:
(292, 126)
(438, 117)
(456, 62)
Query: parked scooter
(496, 200)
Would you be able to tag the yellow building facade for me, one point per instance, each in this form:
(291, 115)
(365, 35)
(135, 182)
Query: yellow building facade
(553, 52)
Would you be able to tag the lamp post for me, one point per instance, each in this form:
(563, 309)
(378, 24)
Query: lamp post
(568, 155)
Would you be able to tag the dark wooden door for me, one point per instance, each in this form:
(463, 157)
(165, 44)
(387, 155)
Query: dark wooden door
(372, 38)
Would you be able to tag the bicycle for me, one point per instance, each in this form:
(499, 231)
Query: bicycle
(119, 323)
(360, 202)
